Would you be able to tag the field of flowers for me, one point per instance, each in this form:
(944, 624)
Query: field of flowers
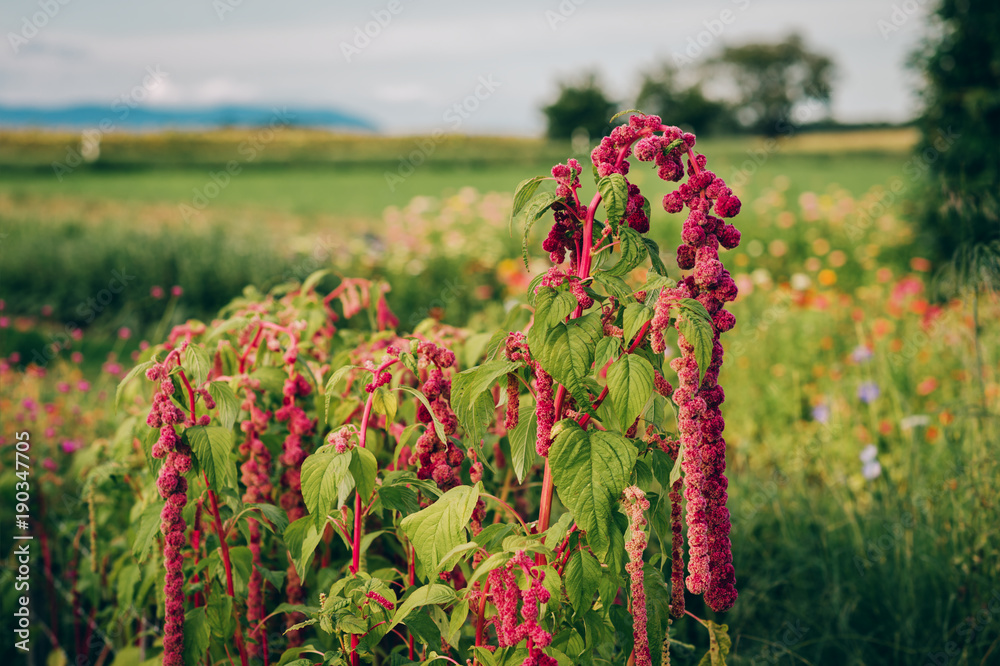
(860, 406)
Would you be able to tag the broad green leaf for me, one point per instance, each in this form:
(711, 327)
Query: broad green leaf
(399, 498)
(567, 355)
(197, 363)
(301, 538)
(212, 446)
(226, 402)
(331, 384)
(633, 319)
(148, 528)
(272, 380)
(552, 306)
(633, 251)
(141, 368)
(452, 557)
(614, 195)
(630, 383)
(471, 397)
(274, 514)
(423, 596)
(590, 470)
(582, 575)
(523, 193)
(614, 285)
(654, 253)
(438, 428)
(494, 561)
(242, 566)
(324, 474)
(197, 635)
(522, 440)
(364, 469)
(459, 614)
(536, 209)
(440, 527)
(226, 326)
(384, 402)
(719, 644)
(220, 615)
(695, 324)
(675, 471)
(314, 278)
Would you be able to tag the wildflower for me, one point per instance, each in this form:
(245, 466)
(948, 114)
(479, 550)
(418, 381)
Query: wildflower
(176, 291)
(821, 413)
(380, 600)
(868, 392)
(545, 410)
(862, 354)
(124, 333)
(156, 292)
(513, 402)
(870, 466)
(507, 595)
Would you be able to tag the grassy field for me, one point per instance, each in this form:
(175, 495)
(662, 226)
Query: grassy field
(835, 565)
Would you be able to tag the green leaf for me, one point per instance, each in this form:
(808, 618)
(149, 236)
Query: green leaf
(582, 575)
(719, 644)
(614, 285)
(364, 469)
(675, 471)
(438, 428)
(633, 319)
(384, 402)
(227, 403)
(440, 527)
(536, 209)
(324, 476)
(197, 635)
(590, 470)
(274, 514)
(198, 363)
(452, 557)
(350, 624)
(552, 306)
(301, 538)
(422, 596)
(314, 278)
(331, 384)
(522, 440)
(142, 367)
(212, 446)
(523, 193)
(654, 253)
(242, 566)
(149, 527)
(614, 193)
(399, 498)
(471, 397)
(220, 615)
(630, 383)
(633, 251)
(695, 324)
(567, 354)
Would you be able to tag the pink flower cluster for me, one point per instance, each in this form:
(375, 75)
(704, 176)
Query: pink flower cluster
(507, 595)
(437, 460)
(545, 410)
(566, 234)
(173, 488)
(555, 277)
(292, 456)
(672, 448)
(700, 422)
(256, 476)
(636, 504)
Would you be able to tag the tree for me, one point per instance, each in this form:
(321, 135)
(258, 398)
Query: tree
(957, 208)
(771, 79)
(685, 106)
(580, 105)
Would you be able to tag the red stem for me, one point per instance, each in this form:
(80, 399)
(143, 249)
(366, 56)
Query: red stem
(227, 563)
(356, 547)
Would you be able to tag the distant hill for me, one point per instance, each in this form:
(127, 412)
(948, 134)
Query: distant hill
(157, 118)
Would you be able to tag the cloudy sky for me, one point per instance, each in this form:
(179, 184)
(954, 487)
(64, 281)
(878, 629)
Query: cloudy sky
(428, 55)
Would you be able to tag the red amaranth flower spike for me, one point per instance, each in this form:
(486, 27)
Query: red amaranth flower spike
(636, 504)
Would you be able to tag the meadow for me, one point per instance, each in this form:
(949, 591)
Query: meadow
(860, 398)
